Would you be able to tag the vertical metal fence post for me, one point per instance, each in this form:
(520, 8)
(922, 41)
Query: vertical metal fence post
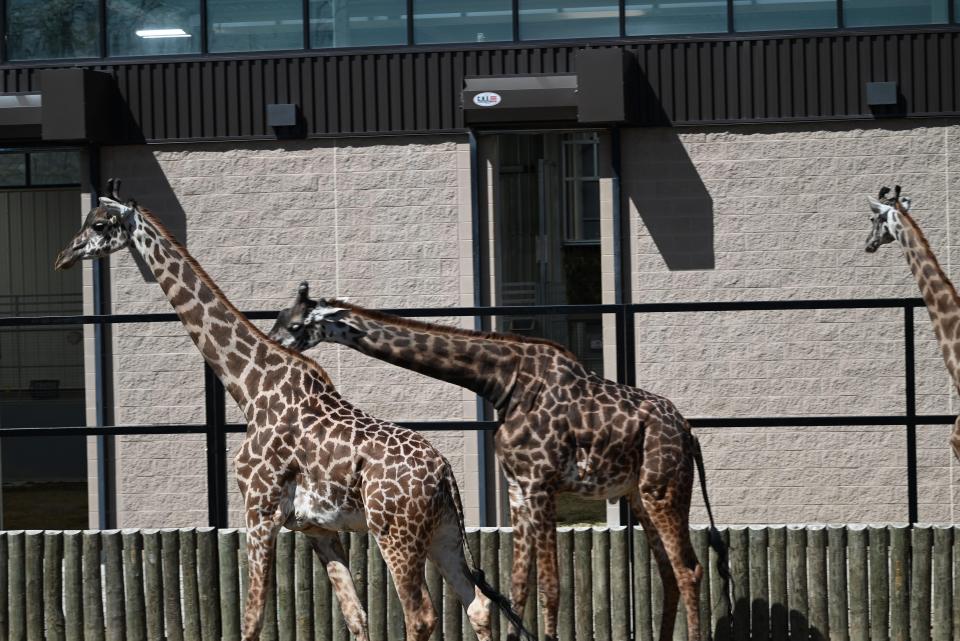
(910, 390)
(626, 374)
(216, 448)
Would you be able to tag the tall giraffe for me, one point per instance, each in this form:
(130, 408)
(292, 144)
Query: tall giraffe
(891, 221)
(563, 429)
(310, 460)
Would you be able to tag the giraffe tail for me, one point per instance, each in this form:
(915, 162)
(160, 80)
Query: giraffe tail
(476, 574)
(715, 540)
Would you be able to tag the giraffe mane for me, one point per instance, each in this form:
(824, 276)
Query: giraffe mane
(925, 244)
(410, 323)
(209, 282)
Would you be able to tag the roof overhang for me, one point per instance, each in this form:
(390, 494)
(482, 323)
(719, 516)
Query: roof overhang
(72, 105)
(604, 89)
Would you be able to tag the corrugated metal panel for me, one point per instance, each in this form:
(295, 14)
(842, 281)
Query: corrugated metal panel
(688, 82)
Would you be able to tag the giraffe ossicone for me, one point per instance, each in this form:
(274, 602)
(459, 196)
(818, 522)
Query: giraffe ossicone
(310, 461)
(563, 429)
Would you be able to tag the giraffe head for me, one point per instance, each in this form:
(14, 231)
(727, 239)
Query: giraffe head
(885, 218)
(103, 231)
(308, 322)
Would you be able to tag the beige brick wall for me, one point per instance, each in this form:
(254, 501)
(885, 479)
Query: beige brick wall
(377, 220)
(780, 212)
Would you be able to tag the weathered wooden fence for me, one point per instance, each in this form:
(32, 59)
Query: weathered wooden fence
(844, 584)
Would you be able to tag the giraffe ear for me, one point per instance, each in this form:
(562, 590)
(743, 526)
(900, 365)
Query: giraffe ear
(303, 292)
(875, 205)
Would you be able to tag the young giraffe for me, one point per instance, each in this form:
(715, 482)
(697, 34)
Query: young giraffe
(310, 460)
(563, 429)
(892, 221)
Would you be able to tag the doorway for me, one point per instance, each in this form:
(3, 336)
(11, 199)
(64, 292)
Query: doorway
(41, 367)
(545, 196)
(547, 238)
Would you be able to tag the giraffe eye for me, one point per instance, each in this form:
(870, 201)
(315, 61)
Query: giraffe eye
(99, 226)
(295, 327)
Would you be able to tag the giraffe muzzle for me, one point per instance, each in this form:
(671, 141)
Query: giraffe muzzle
(65, 259)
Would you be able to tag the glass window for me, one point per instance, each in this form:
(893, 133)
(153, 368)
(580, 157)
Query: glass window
(52, 29)
(13, 170)
(54, 167)
(152, 27)
(581, 195)
(771, 15)
(357, 23)
(676, 16)
(254, 25)
(466, 21)
(880, 13)
(546, 19)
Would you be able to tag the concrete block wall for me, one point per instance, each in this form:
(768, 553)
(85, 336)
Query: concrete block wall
(377, 220)
(780, 212)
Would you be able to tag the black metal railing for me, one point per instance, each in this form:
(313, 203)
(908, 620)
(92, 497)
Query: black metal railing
(216, 427)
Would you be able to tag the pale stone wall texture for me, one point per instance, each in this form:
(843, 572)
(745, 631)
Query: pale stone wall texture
(780, 212)
(378, 220)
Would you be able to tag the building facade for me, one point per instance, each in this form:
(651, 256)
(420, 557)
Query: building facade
(427, 154)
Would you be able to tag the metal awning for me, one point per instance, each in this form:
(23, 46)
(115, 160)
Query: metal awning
(20, 115)
(604, 89)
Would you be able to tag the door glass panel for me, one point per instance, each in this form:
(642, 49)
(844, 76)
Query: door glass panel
(547, 239)
(41, 367)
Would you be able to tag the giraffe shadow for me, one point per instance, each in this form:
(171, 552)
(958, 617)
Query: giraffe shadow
(759, 620)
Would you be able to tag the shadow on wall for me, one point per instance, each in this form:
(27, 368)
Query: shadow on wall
(663, 186)
(143, 179)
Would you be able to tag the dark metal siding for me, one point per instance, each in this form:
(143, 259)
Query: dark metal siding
(688, 82)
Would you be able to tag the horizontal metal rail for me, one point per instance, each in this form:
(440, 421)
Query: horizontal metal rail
(216, 426)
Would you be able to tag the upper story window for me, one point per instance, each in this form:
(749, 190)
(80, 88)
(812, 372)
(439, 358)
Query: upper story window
(38, 30)
(550, 19)
(153, 27)
(657, 17)
(865, 13)
(254, 25)
(581, 188)
(467, 21)
(357, 23)
(70, 29)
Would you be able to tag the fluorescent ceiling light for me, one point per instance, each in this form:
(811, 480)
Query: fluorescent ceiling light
(162, 33)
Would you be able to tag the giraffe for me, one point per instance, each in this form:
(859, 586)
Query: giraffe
(891, 220)
(310, 461)
(563, 429)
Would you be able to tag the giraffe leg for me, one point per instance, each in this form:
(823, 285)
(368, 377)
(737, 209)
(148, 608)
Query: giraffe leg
(407, 563)
(665, 516)
(548, 581)
(955, 439)
(523, 546)
(446, 551)
(261, 544)
(331, 553)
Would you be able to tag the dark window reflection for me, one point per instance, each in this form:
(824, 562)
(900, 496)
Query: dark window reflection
(467, 21)
(152, 27)
(254, 25)
(52, 29)
(54, 168)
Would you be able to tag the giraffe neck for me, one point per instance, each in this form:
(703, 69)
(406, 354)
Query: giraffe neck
(231, 345)
(484, 365)
(938, 292)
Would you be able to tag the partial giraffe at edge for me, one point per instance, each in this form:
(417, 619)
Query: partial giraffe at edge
(563, 429)
(310, 461)
(891, 220)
